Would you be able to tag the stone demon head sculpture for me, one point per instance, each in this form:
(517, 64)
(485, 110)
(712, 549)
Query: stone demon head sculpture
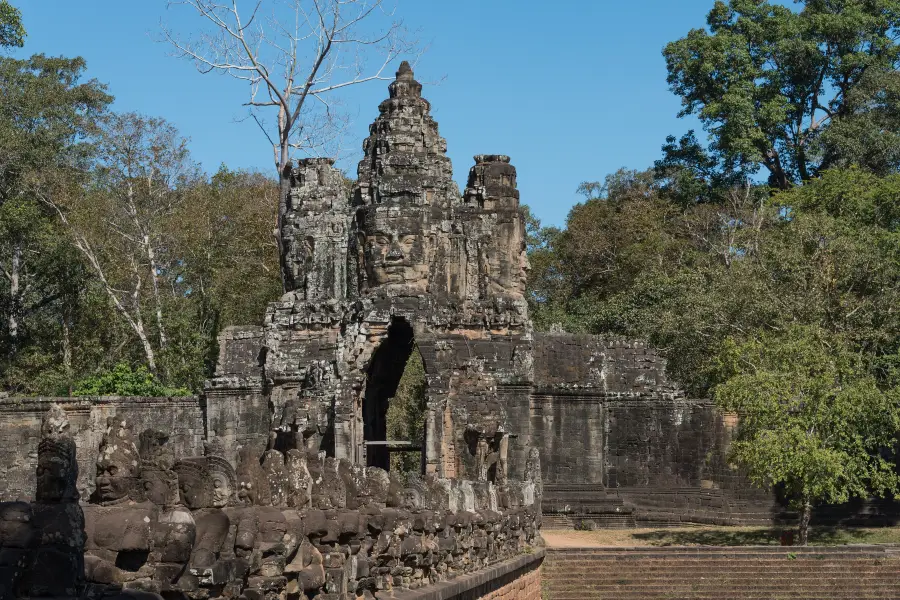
(159, 480)
(206, 482)
(57, 470)
(119, 463)
(222, 474)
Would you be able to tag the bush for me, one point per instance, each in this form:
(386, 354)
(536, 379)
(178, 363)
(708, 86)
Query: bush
(122, 380)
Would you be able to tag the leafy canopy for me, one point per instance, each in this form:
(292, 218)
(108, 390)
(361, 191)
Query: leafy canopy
(12, 32)
(795, 92)
(813, 419)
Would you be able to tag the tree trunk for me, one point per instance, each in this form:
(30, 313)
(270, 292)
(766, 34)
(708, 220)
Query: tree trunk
(777, 176)
(284, 188)
(154, 277)
(67, 349)
(803, 527)
(138, 324)
(15, 301)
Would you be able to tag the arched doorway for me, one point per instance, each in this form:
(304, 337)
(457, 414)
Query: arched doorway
(382, 381)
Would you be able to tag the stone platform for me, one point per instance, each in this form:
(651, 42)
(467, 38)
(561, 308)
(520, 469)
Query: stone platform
(716, 573)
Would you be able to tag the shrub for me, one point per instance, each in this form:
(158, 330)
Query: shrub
(122, 380)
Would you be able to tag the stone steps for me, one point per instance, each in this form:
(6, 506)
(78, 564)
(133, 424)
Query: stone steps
(706, 573)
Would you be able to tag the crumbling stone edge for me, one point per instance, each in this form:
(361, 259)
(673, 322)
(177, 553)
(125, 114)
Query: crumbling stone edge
(484, 581)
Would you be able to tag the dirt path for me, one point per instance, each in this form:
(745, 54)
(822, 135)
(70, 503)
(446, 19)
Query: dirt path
(619, 538)
(713, 536)
(570, 539)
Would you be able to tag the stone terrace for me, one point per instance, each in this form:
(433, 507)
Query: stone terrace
(714, 573)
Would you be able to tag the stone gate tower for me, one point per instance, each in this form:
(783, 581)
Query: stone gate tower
(402, 261)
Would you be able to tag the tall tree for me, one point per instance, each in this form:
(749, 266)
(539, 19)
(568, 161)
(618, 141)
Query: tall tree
(120, 223)
(794, 91)
(47, 116)
(294, 56)
(813, 419)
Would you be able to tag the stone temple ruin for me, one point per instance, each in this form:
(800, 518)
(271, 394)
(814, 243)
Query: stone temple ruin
(405, 262)
(275, 482)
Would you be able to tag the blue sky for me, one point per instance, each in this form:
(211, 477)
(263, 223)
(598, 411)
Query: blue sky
(571, 90)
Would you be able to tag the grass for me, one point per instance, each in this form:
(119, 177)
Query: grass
(719, 536)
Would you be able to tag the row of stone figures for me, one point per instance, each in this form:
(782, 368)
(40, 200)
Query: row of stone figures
(292, 525)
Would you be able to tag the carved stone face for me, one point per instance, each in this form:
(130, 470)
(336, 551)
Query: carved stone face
(194, 483)
(192, 492)
(160, 487)
(396, 249)
(221, 492)
(113, 480)
(412, 499)
(506, 263)
(119, 463)
(54, 478)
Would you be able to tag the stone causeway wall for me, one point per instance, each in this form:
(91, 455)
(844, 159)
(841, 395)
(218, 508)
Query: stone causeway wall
(287, 524)
(183, 419)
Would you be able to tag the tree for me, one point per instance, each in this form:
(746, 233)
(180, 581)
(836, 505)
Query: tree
(12, 32)
(122, 380)
(225, 269)
(688, 174)
(293, 60)
(544, 277)
(812, 419)
(794, 92)
(406, 415)
(47, 117)
(228, 260)
(120, 224)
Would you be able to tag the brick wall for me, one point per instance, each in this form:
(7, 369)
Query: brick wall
(515, 579)
(526, 587)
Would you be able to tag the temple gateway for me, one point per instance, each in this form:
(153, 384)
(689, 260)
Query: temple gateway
(403, 262)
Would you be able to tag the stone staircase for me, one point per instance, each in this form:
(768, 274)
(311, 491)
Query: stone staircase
(719, 573)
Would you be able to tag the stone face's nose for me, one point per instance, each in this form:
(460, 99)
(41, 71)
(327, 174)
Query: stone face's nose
(395, 254)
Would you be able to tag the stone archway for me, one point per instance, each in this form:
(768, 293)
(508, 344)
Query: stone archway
(382, 378)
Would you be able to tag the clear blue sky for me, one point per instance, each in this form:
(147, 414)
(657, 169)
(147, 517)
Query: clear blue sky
(571, 90)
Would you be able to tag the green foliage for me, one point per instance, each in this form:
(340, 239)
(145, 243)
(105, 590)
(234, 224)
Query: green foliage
(688, 174)
(813, 419)
(796, 92)
(12, 32)
(214, 260)
(783, 308)
(122, 380)
(406, 415)
(47, 115)
(824, 254)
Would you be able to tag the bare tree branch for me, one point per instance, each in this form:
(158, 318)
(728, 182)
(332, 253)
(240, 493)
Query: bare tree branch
(302, 49)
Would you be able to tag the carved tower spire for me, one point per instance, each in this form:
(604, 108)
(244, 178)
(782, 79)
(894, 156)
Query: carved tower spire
(405, 156)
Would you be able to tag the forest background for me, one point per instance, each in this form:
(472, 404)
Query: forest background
(762, 259)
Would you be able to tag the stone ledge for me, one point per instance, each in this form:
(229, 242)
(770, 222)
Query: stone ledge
(75, 403)
(641, 552)
(495, 577)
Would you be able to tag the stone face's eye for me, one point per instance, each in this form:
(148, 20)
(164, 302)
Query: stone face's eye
(113, 470)
(382, 240)
(408, 240)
